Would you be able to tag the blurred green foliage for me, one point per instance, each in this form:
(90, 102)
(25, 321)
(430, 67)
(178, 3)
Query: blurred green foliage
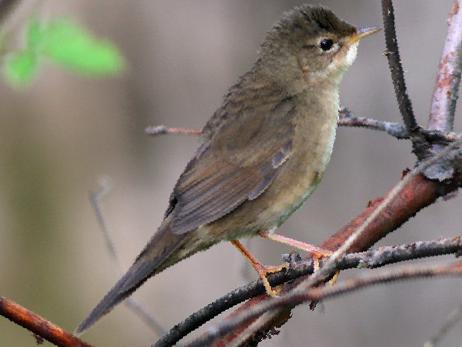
(64, 43)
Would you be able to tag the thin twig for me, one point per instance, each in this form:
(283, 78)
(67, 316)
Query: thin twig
(6, 7)
(446, 90)
(371, 259)
(396, 69)
(323, 293)
(163, 130)
(38, 325)
(346, 119)
(136, 307)
(453, 318)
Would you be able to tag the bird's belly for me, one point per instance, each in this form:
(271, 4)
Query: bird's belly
(299, 178)
(290, 196)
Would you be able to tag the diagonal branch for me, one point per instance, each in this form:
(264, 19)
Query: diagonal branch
(446, 90)
(396, 69)
(418, 194)
(323, 293)
(358, 233)
(38, 325)
(453, 318)
(347, 244)
(371, 259)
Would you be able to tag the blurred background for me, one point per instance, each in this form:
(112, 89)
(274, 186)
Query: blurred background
(64, 132)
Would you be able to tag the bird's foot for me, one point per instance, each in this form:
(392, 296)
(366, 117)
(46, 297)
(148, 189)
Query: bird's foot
(316, 253)
(264, 271)
(261, 269)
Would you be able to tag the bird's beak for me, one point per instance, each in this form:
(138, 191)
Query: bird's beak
(362, 33)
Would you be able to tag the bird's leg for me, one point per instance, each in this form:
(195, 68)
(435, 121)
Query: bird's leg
(262, 270)
(315, 252)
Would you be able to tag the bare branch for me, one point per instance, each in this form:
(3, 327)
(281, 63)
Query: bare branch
(327, 268)
(454, 317)
(347, 119)
(396, 69)
(323, 293)
(38, 325)
(409, 199)
(371, 259)
(6, 7)
(136, 307)
(163, 130)
(446, 90)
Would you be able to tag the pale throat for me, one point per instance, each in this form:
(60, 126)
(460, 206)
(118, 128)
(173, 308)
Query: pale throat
(351, 54)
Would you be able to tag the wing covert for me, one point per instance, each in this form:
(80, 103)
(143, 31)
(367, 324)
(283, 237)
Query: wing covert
(238, 164)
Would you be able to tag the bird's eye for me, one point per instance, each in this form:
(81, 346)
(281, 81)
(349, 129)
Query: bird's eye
(326, 44)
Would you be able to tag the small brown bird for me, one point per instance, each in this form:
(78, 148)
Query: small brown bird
(264, 150)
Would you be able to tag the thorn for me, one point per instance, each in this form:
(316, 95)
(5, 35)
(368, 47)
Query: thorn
(405, 172)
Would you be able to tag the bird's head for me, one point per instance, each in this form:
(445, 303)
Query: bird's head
(310, 45)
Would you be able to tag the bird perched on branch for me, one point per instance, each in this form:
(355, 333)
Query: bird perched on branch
(264, 150)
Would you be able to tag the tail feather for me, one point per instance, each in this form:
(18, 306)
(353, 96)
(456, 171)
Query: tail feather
(149, 262)
(134, 278)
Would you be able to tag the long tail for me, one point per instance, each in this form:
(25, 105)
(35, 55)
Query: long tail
(152, 260)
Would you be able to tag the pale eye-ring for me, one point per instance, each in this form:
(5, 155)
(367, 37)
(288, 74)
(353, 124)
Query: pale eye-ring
(326, 44)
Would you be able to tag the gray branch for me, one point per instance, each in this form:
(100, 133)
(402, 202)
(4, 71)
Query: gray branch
(446, 90)
(371, 259)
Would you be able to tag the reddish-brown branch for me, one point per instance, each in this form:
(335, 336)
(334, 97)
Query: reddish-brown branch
(38, 325)
(416, 195)
(448, 79)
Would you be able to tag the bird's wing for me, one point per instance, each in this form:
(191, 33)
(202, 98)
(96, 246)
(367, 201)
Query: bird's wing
(237, 164)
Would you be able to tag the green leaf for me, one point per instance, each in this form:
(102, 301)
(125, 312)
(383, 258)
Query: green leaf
(20, 68)
(71, 46)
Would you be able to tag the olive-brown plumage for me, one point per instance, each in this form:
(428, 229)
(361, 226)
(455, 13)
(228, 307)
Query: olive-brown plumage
(264, 150)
